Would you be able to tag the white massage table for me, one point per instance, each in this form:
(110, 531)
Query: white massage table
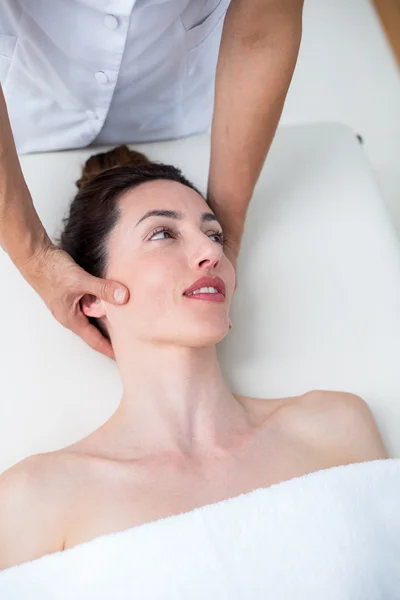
(317, 305)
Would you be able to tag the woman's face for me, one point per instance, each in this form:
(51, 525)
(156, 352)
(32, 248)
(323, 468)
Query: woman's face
(158, 257)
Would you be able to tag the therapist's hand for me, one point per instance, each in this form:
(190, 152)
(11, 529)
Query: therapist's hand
(61, 283)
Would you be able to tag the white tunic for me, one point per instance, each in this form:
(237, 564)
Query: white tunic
(108, 71)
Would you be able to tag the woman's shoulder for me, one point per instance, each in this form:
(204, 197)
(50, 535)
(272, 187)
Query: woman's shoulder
(346, 423)
(339, 423)
(33, 496)
(314, 405)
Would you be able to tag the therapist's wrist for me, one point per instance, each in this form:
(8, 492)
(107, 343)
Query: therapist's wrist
(28, 245)
(31, 263)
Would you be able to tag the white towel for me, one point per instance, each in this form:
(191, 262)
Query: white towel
(330, 535)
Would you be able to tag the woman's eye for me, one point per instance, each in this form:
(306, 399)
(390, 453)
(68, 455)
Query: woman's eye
(159, 233)
(219, 235)
(165, 233)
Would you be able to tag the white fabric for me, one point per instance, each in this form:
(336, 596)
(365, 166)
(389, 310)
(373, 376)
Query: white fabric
(332, 534)
(317, 305)
(108, 71)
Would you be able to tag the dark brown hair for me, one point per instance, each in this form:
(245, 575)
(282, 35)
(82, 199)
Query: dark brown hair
(94, 211)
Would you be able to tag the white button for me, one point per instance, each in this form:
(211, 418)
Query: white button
(191, 71)
(111, 22)
(101, 77)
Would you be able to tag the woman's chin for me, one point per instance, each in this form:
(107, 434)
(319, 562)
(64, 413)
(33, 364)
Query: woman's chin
(208, 335)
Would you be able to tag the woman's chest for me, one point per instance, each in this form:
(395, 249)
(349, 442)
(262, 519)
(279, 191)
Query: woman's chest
(115, 499)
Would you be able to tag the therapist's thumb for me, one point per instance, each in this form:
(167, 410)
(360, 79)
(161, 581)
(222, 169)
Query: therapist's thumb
(109, 291)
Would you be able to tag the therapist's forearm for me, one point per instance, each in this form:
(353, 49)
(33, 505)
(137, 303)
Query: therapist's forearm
(258, 53)
(22, 234)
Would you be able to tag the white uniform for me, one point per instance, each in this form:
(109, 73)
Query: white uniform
(75, 72)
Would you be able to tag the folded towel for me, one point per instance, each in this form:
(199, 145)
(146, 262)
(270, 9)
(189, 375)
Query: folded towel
(332, 534)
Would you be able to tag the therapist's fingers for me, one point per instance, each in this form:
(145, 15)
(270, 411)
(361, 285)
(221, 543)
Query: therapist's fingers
(107, 290)
(92, 336)
(61, 283)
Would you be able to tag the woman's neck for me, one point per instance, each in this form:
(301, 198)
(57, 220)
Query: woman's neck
(175, 400)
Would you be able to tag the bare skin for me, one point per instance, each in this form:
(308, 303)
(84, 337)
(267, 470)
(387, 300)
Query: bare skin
(180, 439)
(89, 491)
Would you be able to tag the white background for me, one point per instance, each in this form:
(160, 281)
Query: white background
(347, 73)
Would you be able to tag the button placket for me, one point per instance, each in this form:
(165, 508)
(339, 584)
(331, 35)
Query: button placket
(111, 22)
(107, 79)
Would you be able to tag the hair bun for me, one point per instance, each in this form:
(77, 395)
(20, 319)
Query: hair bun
(117, 157)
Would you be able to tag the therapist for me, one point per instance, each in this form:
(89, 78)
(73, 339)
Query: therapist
(74, 74)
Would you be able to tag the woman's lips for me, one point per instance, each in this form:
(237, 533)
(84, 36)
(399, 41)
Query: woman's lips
(207, 281)
(211, 297)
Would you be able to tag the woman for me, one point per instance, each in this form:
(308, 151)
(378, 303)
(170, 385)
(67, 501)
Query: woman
(179, 438)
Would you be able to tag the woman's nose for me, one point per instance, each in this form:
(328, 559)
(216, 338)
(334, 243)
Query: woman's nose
(208, 254)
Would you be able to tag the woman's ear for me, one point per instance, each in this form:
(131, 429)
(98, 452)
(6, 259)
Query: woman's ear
(92, 306)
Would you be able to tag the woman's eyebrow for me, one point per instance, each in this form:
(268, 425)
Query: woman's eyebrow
(172, 214)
